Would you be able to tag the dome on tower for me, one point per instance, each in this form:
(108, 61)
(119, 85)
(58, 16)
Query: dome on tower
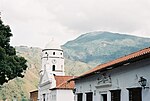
(52, 45)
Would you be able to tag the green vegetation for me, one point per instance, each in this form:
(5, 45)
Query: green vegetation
(20, 87)
(11, 65)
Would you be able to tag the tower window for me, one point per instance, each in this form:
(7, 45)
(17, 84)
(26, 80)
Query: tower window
(53, 53)
(46, 54)
(60, 53)
(53, 68)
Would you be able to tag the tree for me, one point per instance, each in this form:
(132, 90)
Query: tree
(11, 65)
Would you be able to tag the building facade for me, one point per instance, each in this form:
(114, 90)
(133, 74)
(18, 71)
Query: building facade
(124, 79)
(53, 85)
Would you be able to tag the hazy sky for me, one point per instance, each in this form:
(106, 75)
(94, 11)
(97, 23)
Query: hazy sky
(36, 22)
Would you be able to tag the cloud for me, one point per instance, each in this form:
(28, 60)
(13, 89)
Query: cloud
(35, 22)
(119, 15)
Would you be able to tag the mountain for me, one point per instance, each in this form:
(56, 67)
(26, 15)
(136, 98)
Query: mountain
(20, 87)
(81, 54)
(99, 47)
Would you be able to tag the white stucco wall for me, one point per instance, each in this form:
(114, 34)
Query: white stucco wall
(53, 95)
(47, 61)
(122, 78)
(65, 95)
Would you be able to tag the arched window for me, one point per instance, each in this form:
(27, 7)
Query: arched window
(53, 68)
(53, 53)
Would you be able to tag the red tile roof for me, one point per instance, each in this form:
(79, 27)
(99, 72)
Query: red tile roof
(63, 82)
(125, 59)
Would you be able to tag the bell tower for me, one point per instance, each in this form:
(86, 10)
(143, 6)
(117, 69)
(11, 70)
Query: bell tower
(52, 59)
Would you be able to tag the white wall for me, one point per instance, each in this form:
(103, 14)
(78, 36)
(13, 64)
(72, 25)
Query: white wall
(65, 95)
(53, 95)
(122, 78)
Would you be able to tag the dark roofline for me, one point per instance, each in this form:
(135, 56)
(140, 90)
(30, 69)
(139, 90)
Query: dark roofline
(52, 49)
(62, 88)
(133, 57)
(34, 91)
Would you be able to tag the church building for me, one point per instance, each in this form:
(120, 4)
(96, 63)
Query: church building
(54, 84)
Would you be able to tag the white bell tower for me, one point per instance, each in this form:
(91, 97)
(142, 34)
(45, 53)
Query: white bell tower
(52, 59)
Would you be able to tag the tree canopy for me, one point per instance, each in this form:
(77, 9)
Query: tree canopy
(11, 65)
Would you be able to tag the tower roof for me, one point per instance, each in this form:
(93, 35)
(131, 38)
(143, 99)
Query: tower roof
(52, 45)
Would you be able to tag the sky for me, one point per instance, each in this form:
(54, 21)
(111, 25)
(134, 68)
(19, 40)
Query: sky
(36, 22)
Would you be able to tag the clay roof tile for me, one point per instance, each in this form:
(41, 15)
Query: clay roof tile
(63, 82)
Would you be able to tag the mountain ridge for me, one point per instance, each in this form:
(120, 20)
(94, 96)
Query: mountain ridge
(102, 34)
(89, 46)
